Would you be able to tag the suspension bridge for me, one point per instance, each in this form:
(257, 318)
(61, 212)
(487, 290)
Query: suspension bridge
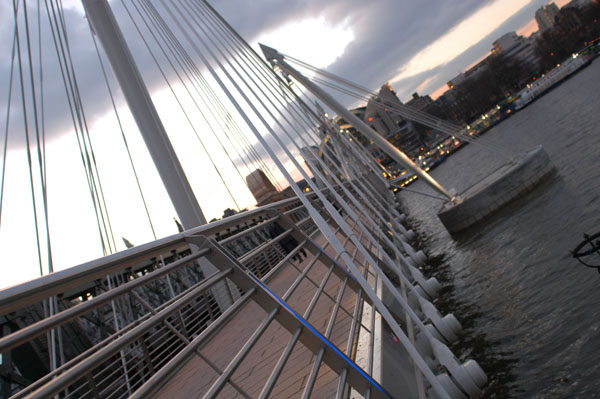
(304, 297)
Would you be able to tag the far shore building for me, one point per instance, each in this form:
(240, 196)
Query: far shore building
(517, 47)
(455, 81)
(510, 45)
(262, 189)
(418, 102)
(580, 3)
(470, 73)
(380, 114)
(545, 15)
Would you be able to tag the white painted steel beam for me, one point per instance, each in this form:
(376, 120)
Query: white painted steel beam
(140, 103)
(278, 59)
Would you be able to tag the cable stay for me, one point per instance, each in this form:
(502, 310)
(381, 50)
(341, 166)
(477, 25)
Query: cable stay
(59, 36)
(210, 99)
(179, 103)
(255, 102)
(7, 124)
(114, 106)
(26, 118)
(36, 112)
(202, 89)
(359, 92)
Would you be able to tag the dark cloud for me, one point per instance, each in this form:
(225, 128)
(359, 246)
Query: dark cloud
(88, 75)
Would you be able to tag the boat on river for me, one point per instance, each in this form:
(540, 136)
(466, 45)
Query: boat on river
(548, 81)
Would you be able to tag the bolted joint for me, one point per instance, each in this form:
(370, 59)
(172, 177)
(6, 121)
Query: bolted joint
(448, 326)
(469, 378)
(429, 287)
(451, 387)
(409, 235)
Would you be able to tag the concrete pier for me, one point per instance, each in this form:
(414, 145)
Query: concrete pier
(499, 187)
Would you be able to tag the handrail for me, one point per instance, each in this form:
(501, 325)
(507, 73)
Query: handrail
(42, 326)
(54, 387)
(16, 297)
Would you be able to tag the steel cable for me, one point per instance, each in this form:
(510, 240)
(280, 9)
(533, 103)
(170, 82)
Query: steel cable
(198, 38)
(210, 99)
(268, 76)
(114, 106)
(67, 73)
(27, 139)
(8, 110)
(188, 74)
(274, 93)
(59, 20)
(216, 104)
(405, 111)
(162, 72)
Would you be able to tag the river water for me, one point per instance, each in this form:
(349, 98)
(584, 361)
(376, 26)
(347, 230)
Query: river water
(531, 312)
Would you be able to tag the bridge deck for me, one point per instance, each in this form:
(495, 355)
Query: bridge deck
(196, 377)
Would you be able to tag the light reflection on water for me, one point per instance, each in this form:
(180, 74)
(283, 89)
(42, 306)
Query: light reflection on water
(531, 312)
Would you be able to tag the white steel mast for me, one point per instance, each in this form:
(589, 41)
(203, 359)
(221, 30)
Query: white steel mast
(140, 103)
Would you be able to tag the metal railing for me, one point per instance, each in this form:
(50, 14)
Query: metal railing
(256, 304)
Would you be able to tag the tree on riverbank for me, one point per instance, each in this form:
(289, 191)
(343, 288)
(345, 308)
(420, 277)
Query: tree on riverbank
(574, 28)
(501, 77)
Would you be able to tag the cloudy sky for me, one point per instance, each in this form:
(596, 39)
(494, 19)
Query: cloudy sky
(414, 45)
